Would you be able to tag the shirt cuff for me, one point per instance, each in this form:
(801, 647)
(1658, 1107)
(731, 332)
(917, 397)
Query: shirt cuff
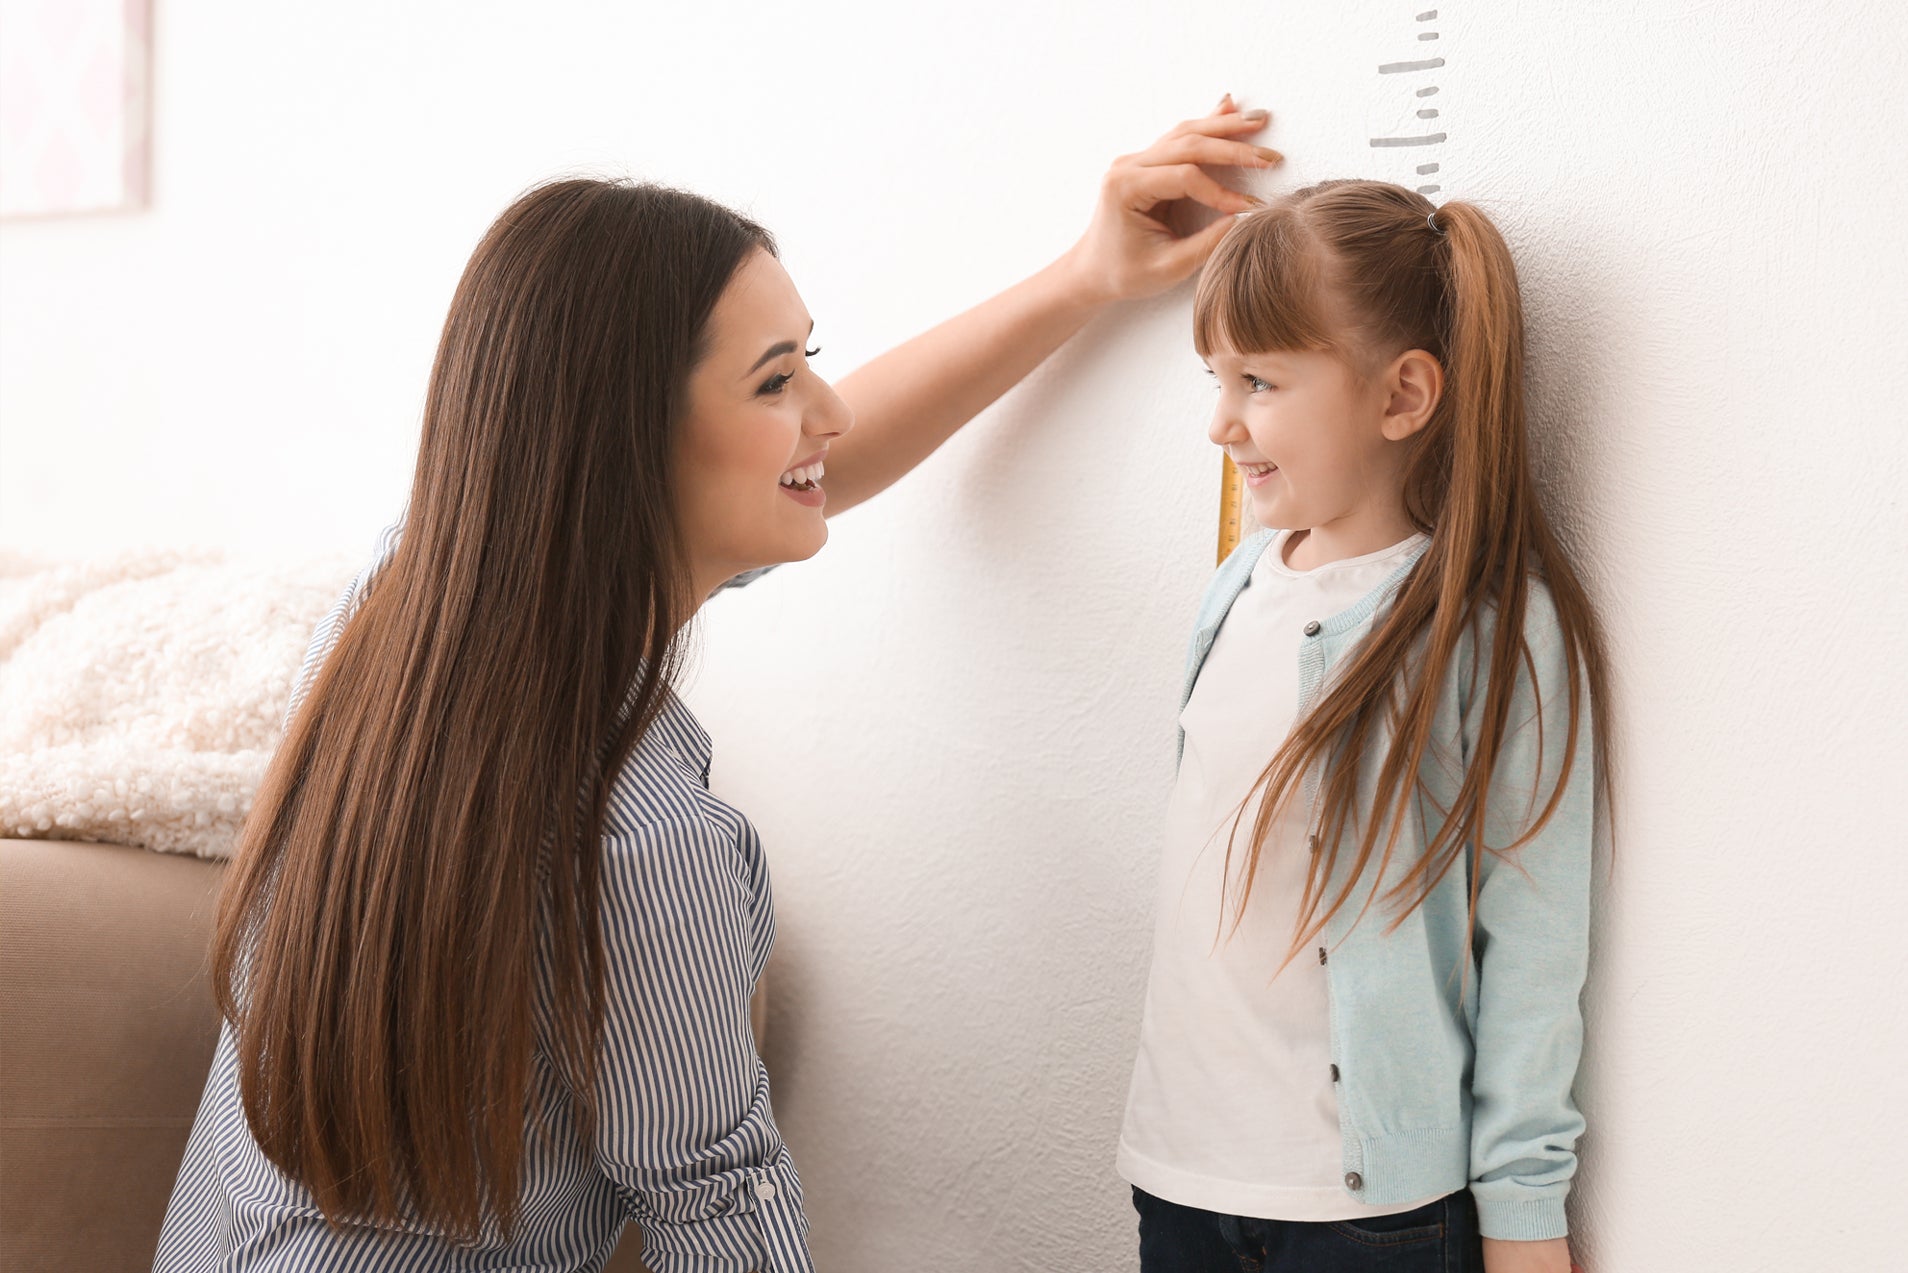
(1531, 1220)
(760, 1229)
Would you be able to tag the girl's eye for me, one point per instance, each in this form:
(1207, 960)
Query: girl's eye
(810, 353)
(1252, 382)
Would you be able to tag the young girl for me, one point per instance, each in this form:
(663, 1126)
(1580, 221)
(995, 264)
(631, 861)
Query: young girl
(1362, 1023)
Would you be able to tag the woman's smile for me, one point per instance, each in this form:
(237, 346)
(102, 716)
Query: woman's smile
(802, 483)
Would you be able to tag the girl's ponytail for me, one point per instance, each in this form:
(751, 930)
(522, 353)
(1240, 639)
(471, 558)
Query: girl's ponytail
(1481, 329)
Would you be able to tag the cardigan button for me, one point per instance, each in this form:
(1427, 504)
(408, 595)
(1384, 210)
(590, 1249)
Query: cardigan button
(1354, 1181)
(1321, 954)
(1334, 1074)
(1311, 629)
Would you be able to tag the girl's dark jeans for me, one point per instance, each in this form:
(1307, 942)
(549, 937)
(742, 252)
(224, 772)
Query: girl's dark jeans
(1439, 1237)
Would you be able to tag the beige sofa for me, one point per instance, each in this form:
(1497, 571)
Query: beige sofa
(106, 1031)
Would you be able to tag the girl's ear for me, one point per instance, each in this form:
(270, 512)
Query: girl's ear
(1413, 384)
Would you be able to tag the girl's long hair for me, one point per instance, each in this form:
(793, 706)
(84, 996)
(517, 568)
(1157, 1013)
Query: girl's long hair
(431, 818)
(1356, 269)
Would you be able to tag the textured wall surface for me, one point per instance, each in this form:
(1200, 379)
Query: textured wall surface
(954, 726)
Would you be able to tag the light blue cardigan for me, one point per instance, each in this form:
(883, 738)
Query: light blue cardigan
(1449, 1076)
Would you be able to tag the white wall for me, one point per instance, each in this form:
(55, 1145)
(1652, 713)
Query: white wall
(954, 727)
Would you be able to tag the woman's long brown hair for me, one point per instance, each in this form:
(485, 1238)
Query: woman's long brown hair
(432, 815)
(1355, 269)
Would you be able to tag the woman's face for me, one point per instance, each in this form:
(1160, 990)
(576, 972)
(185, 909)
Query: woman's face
(756, 416)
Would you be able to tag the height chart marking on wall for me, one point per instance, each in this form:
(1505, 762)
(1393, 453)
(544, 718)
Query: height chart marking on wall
(1416, 136)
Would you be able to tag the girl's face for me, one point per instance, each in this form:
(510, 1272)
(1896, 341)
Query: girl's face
(1316, 445)
(757, 416)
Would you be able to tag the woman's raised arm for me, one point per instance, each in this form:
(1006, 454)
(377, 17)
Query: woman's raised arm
(912, 398)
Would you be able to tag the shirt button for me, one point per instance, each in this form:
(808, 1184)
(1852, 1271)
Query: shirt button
(765, 1189)
(1311, 629)
(1334, 1074)
(1354, 1181)
(1321, 954)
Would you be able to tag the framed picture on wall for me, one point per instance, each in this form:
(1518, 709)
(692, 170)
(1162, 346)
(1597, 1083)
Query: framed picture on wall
(75, 104)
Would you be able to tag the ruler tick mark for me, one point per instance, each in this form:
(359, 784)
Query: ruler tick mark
(1425, 111)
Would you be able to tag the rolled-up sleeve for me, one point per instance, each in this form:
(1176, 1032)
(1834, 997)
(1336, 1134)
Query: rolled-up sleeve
(684, 1125)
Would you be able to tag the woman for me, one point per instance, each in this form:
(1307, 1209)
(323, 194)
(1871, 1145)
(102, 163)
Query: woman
(486, 953)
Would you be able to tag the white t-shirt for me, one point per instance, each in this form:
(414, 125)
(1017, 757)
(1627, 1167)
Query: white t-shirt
(1232, 1107)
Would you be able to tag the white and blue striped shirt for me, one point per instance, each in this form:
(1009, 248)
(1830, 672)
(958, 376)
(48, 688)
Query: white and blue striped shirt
(686, 1143)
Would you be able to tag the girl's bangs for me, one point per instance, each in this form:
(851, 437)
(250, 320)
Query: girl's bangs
(1260, 290)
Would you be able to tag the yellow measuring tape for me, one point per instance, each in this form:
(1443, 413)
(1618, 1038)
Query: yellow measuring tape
(1231, 507)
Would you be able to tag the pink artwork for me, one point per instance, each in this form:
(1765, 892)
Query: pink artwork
(74, 105)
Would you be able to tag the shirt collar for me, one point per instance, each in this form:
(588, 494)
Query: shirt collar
(677, 729)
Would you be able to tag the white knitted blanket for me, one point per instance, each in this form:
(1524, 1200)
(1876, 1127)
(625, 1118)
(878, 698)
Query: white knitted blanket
(141, 695)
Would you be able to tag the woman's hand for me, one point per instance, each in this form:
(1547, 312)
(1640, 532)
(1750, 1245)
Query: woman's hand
(1552, 1256)
(1132, 247)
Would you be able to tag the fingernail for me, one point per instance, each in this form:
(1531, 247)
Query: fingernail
(1267, 154)
(1225, 101)
(1254, 200)
(1256, 114)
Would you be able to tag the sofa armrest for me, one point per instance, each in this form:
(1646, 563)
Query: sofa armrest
(107, 1028)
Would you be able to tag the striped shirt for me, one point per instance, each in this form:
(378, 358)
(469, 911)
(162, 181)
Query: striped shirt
(685, 1144)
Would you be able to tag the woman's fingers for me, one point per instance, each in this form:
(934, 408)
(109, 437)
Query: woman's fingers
(1168, 169)
(1228, 123)
(1196, 148)
(1150, 184)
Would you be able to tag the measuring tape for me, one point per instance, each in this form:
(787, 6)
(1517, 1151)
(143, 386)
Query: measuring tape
(1231, 507)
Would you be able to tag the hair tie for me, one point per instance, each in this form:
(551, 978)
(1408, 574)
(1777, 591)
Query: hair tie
(1433, 224)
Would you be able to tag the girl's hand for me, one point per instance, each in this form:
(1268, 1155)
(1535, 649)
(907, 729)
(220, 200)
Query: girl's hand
(1552, 1256)
(1132, 249)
